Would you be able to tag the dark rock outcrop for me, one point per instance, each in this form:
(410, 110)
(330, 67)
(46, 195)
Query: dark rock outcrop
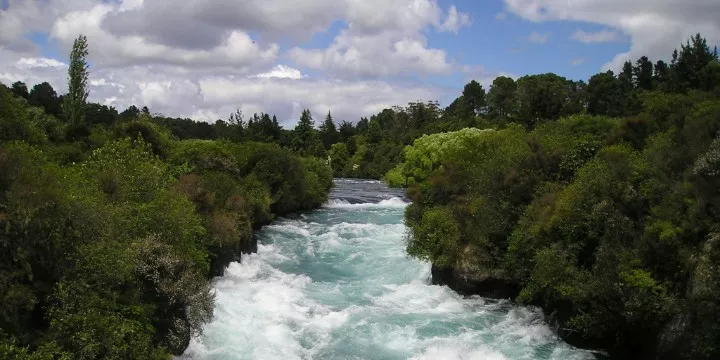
(466, 284)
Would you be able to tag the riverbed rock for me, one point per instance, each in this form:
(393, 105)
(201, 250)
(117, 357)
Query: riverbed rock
(473, 273)
(483, 284)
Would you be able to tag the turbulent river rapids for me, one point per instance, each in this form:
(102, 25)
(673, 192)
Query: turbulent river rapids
(336, 283)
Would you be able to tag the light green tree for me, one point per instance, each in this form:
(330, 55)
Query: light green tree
(74, 101)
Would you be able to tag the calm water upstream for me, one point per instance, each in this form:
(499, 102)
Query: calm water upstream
(335, 283)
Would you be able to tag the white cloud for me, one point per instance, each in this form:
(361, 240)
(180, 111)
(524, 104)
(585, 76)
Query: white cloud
(168, 90)
(655, 27)
(595, 37)
(539, 38)
(32, 63)
(385, 37)
(281, 72)
(455, 20)
(346, 99)
(577, 61)
(198, 60)
(238, 50)
(383, 54)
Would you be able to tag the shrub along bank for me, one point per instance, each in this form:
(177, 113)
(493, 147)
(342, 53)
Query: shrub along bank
(108, 235)
(610, 224)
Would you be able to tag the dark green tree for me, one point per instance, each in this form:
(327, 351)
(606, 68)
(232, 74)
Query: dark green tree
(541, 97)
(100, 114)
(75, 100)
(305, 139)
(132, 112)
(43, 95)
(474, 102)
(661, 76)
(237, 123)
(19, 89)
(605, 95)
(643, 72)
(626, 76)
(577, 98)
(328, 131)
(501, 98)
(689, 63)
(346, 131)
(362, 125)
(710, 76)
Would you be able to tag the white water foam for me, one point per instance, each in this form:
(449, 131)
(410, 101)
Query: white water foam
(394, 202)
(330, 286)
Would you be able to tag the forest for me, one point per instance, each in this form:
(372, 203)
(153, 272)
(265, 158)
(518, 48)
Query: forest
(111, 226)
(597, 201)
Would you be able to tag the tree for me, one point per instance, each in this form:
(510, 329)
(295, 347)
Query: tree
(661, 76)
(626, 76)
(339, 157)
(346, 131)
(710, 76)
(237, 122)
(577, 98)
(328, 131)
(44, 95)
(689, 63)
(362, 125)
(100, 114)
(374, 132)
(502, 96)
(76, 98)
(474, 102)
(305, 139)
(541, 97)
(145, 110)
(643, 72)
(605, 95)
(130, 113)
(19, 89)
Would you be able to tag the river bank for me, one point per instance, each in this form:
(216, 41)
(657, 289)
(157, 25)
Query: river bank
(336, 282)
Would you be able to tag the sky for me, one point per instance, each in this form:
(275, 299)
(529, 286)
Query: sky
(202, 59)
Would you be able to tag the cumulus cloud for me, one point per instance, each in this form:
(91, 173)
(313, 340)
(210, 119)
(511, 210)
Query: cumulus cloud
(281, 72)
(654, 26)
(538, 38)
(384, 38)
(374, 55)
(455, 20)
(236, 51)
(198, 58)
(346, 99)
(595, 37)
(208, 97)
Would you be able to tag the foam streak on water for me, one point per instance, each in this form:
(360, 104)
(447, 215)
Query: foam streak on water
(336, 284)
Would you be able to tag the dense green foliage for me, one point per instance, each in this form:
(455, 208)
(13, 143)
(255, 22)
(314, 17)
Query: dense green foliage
(599, 202)
(110, 227)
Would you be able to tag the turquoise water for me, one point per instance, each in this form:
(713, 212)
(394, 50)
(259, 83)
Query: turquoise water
(336, 283)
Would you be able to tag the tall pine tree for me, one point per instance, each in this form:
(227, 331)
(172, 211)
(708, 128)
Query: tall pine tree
(643, 72)
(305, 139)
(328, 131)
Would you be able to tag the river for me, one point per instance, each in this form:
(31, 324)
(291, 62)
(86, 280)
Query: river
(336, 283)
